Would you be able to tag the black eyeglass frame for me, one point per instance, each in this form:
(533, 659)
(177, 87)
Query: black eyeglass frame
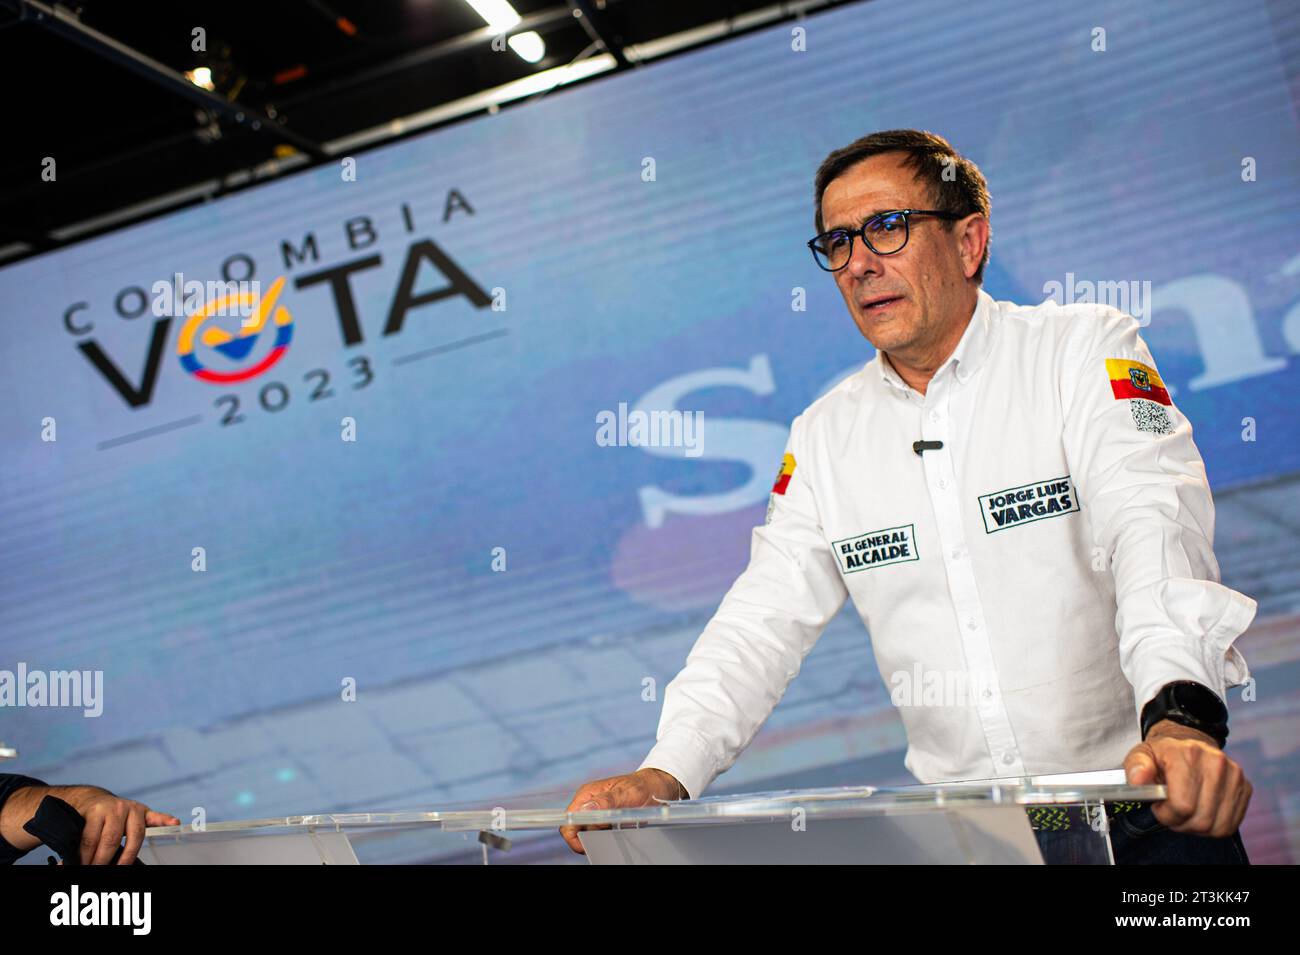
(861, 232)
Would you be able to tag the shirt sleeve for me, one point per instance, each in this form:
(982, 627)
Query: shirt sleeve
(755, 644)
(10, 783)
(1142, 483)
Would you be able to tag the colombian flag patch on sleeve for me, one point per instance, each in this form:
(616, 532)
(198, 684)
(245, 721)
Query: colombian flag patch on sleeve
(1132, 379)
(783, 476)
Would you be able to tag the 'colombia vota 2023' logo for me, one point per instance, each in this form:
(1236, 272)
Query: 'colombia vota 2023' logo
(215, 347)
(268, 315)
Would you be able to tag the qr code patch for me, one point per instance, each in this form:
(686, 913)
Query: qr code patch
(1150, 416)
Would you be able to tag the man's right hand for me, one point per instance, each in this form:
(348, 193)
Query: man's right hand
(645, 787)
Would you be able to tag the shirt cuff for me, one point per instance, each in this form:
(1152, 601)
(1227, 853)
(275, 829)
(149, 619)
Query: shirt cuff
(10, 784)
(683, 755)
(1212, 661)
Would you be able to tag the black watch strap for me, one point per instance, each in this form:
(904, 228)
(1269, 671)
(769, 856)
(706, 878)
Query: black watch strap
(1188, 703)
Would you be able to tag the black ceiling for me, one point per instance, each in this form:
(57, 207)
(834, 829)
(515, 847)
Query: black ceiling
(316, 69)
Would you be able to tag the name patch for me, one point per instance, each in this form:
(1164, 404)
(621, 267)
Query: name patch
(1029, 502)
(893, 545)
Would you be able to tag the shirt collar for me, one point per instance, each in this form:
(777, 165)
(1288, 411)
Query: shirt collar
(966, 357)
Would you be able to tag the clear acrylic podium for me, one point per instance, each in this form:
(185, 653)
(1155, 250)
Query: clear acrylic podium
(972, 823)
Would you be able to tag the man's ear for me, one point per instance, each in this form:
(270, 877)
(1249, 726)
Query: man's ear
(972, 238)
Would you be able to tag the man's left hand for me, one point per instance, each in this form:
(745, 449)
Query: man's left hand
(1208, 792)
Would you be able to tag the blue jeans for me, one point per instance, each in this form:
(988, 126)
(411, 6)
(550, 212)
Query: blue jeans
(1137, 838)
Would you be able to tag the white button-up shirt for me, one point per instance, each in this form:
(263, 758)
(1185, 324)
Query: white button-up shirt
(1027, 586)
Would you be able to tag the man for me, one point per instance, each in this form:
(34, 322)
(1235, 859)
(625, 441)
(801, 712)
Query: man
(109, 819)
(1010, 497)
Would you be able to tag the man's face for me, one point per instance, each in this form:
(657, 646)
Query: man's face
(925, 284)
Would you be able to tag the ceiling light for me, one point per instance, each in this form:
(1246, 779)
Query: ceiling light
(499, 14)
(530, 46)
(202, 76)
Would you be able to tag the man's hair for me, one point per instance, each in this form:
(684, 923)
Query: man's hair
(928, 155)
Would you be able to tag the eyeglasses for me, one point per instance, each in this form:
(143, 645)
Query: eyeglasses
(884, 234)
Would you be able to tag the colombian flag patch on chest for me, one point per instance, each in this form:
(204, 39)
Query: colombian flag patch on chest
(1132, 379)
(783, 476)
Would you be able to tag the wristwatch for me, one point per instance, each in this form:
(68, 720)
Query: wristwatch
(1190, 704)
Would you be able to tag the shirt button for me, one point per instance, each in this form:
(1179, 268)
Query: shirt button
(934, 416)
(971, 624)
(1008, 759)
(988, 694)
(943, 483)
(956, 553)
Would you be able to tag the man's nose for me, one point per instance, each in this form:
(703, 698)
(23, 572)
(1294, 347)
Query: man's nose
(863, 261)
